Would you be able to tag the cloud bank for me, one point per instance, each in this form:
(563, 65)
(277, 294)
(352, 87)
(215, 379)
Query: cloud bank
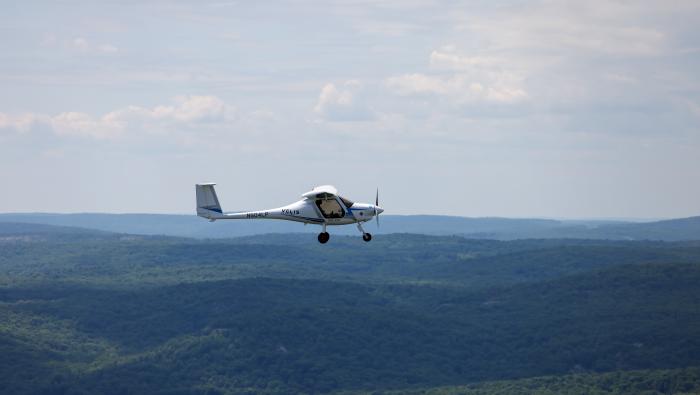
(185, 111)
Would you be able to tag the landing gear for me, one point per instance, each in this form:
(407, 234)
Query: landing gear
(323, 237)
(365, 236)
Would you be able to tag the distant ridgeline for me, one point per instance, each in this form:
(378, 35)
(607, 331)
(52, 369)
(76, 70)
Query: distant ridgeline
(85, 312)
(484, 228)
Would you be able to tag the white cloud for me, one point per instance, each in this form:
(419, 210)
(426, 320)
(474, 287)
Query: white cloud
(193, 109)
(462, 79)
(344, 104)
(448, 59)
(583, 28)
(417, 83)
(458, 87)
(82, 44)
(107, 48)
(186, 111)
(21, 123)
(81, 124)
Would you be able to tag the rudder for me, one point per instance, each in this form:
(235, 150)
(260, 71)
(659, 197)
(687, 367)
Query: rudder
(207, 201)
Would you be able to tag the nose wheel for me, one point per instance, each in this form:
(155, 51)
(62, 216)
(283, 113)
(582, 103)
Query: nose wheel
(365, 236)
(323, 237)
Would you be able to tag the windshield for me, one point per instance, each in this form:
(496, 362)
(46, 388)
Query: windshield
(346, 202)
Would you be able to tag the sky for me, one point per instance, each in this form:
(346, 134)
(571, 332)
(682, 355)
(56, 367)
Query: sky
(553, 109)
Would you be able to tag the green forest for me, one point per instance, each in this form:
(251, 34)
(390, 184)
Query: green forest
(86, 312)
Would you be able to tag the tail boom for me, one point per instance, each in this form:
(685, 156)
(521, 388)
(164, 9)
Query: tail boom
(208, 207)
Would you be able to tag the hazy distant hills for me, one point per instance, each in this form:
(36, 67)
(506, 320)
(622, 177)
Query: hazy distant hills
(486, 228)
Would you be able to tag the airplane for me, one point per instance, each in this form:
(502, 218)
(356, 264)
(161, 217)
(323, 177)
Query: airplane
(321, 206)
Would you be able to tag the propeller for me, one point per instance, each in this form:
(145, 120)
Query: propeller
(376, 204)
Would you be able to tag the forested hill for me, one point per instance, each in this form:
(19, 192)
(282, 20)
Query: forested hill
(84, 312)
(41, 252)
(482, 228)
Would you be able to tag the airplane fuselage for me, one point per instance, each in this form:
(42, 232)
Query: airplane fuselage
(306, 211)
(321, 206)
(303, 211)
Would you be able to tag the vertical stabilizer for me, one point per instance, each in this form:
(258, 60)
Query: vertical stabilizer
(207, 202)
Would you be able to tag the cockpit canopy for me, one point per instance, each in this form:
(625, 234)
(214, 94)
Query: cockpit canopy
(347, 202)
(327, 192)
(325, 199)
(321, 192)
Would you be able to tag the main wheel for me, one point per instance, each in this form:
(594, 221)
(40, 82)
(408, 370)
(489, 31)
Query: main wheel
(366, 237)
(323, 237)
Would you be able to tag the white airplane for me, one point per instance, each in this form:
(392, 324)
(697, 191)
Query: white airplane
(322, 206)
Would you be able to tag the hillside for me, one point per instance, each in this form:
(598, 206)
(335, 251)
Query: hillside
(482, 228)
(108, 258)
(84, 312)
(311, 335)
(649, 382)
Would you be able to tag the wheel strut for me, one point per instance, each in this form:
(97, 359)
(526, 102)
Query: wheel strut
(365, 236)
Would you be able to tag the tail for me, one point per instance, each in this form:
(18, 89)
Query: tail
(207, 203)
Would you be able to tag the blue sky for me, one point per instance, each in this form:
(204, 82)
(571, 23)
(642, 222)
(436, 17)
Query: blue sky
(516, 108)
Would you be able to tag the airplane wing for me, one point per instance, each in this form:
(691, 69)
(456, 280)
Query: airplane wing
(321, 192)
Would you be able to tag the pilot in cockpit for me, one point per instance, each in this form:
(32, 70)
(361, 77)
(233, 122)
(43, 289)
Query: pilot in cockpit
(330, 208)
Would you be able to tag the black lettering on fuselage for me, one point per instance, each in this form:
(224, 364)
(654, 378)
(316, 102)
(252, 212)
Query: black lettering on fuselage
(257, 214)
(286, 211)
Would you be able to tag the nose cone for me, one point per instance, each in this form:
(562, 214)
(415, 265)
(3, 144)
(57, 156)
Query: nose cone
(379, 210)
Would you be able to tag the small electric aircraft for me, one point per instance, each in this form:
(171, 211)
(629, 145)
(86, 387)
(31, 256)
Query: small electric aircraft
(322, 206)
